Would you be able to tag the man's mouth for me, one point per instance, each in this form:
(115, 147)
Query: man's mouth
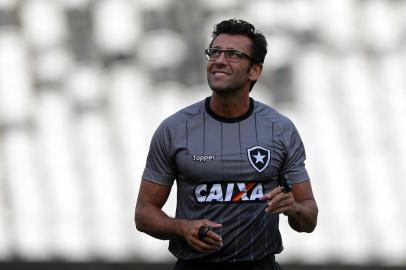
(219, 74)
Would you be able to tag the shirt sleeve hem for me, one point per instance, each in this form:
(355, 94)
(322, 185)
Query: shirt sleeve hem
(157, 178)
(298, 178)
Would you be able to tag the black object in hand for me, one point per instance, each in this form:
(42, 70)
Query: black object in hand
(283, 182)
(203, 230)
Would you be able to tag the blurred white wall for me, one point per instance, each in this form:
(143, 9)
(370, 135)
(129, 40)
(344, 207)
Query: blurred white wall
(84, 84)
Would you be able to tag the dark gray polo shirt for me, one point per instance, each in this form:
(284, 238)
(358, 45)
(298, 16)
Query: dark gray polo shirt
(222, 167)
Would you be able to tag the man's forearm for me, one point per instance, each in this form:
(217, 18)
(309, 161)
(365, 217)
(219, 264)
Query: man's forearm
(155, 222)
(305, 219)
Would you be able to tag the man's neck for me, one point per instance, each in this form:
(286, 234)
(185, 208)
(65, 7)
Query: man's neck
(230, 106)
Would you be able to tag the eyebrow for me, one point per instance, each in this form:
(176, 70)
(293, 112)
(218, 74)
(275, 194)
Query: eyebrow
(228, 48)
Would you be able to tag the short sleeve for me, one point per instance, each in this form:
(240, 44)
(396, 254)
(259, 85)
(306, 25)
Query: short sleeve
(294, 166)
(160, 167)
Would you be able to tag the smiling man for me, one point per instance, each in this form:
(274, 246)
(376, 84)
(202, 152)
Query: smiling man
(237, 162)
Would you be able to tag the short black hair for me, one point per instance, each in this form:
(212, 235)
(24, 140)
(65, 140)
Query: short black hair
(241, 27)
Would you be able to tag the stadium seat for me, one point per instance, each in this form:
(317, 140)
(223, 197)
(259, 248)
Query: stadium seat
(15, 104)
(117, 27)
(44, 23)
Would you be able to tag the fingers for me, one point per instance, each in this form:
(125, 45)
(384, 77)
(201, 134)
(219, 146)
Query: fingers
(202, 235)
(216, 237)
(211, 232)
(284, 205)
(203, 230)
(269, 196)
(212, 224)
(213, 238)
(209, 236)
(279, 201)
(206, 245)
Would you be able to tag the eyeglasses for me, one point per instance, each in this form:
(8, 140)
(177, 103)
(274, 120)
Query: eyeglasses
(232, 55)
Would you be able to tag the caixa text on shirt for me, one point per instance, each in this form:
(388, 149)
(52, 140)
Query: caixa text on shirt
(229, 192)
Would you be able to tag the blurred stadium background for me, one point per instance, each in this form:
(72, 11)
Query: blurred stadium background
(84, 83)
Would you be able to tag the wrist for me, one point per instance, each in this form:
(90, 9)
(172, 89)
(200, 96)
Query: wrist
(295, 210)
(178, 226)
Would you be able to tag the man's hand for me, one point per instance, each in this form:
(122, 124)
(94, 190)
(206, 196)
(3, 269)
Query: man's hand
(298, 204)
(190, 232)
(280, 202)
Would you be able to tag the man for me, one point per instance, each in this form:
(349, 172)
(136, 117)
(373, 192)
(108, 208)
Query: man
(238, 164)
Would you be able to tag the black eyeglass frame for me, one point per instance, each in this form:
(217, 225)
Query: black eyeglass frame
(240, 54)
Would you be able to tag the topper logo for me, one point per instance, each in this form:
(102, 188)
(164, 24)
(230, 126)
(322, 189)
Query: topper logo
(203, 158)
(229, 192)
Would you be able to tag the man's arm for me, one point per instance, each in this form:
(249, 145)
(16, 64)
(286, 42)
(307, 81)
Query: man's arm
(299, 205)
(150, 219)
(302, 216)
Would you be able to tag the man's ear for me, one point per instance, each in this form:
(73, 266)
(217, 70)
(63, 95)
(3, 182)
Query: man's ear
(255, 71)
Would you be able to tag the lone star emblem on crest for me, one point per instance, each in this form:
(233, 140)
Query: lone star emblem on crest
(259, 158)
